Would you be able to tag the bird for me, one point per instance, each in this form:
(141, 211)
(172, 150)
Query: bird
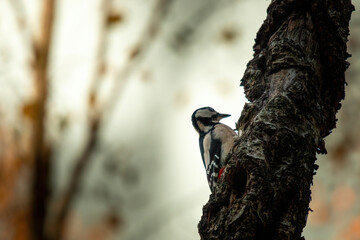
(215, 140)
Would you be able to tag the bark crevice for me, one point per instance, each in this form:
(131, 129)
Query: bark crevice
(294, 83)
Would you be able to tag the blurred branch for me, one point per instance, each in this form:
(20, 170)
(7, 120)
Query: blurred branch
(164, 213)
(18, 12)
(96, 113)
(41, 155)
(199, 14)
(20, 17)
(56, 227)
(139, 50)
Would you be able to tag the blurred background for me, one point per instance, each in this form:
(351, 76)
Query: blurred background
(137, 70)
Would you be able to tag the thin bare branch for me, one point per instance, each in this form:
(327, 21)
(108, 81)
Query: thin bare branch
(96, 114)
(139, 50)
(21, 21)
(56, 226)
(41, 155)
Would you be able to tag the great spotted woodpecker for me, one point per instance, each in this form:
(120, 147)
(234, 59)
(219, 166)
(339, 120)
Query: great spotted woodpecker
(216, 141)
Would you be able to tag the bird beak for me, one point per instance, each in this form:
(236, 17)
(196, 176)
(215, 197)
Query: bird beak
(221, 116)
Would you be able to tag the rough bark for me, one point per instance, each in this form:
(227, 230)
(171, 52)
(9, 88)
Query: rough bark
(294, 83)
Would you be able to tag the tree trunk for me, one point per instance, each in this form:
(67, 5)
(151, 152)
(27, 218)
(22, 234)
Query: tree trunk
(294, 83)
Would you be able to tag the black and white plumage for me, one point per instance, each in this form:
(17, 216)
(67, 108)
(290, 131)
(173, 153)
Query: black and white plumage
(216, 141)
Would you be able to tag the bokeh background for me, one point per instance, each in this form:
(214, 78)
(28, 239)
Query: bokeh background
(149, 65)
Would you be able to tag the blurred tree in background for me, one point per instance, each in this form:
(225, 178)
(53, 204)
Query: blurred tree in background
(96, 140)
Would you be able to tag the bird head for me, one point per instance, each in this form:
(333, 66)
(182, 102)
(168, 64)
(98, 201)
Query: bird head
(203, 119)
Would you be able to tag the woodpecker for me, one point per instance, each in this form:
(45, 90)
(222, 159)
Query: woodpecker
(216, 141)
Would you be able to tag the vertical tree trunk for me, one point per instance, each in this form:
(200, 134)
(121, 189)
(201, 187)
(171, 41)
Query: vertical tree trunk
(294, 84)
(41, 150)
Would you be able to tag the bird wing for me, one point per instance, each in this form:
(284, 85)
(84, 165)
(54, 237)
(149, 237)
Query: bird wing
(211, 149)
(222, 141)
(205, 148)
(214, 165)
(226, 136)
(215, 146)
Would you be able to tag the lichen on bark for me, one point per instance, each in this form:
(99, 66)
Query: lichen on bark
(294, 85)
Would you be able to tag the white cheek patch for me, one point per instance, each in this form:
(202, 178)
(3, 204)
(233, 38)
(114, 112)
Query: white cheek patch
(204, 113)
(200, 125)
